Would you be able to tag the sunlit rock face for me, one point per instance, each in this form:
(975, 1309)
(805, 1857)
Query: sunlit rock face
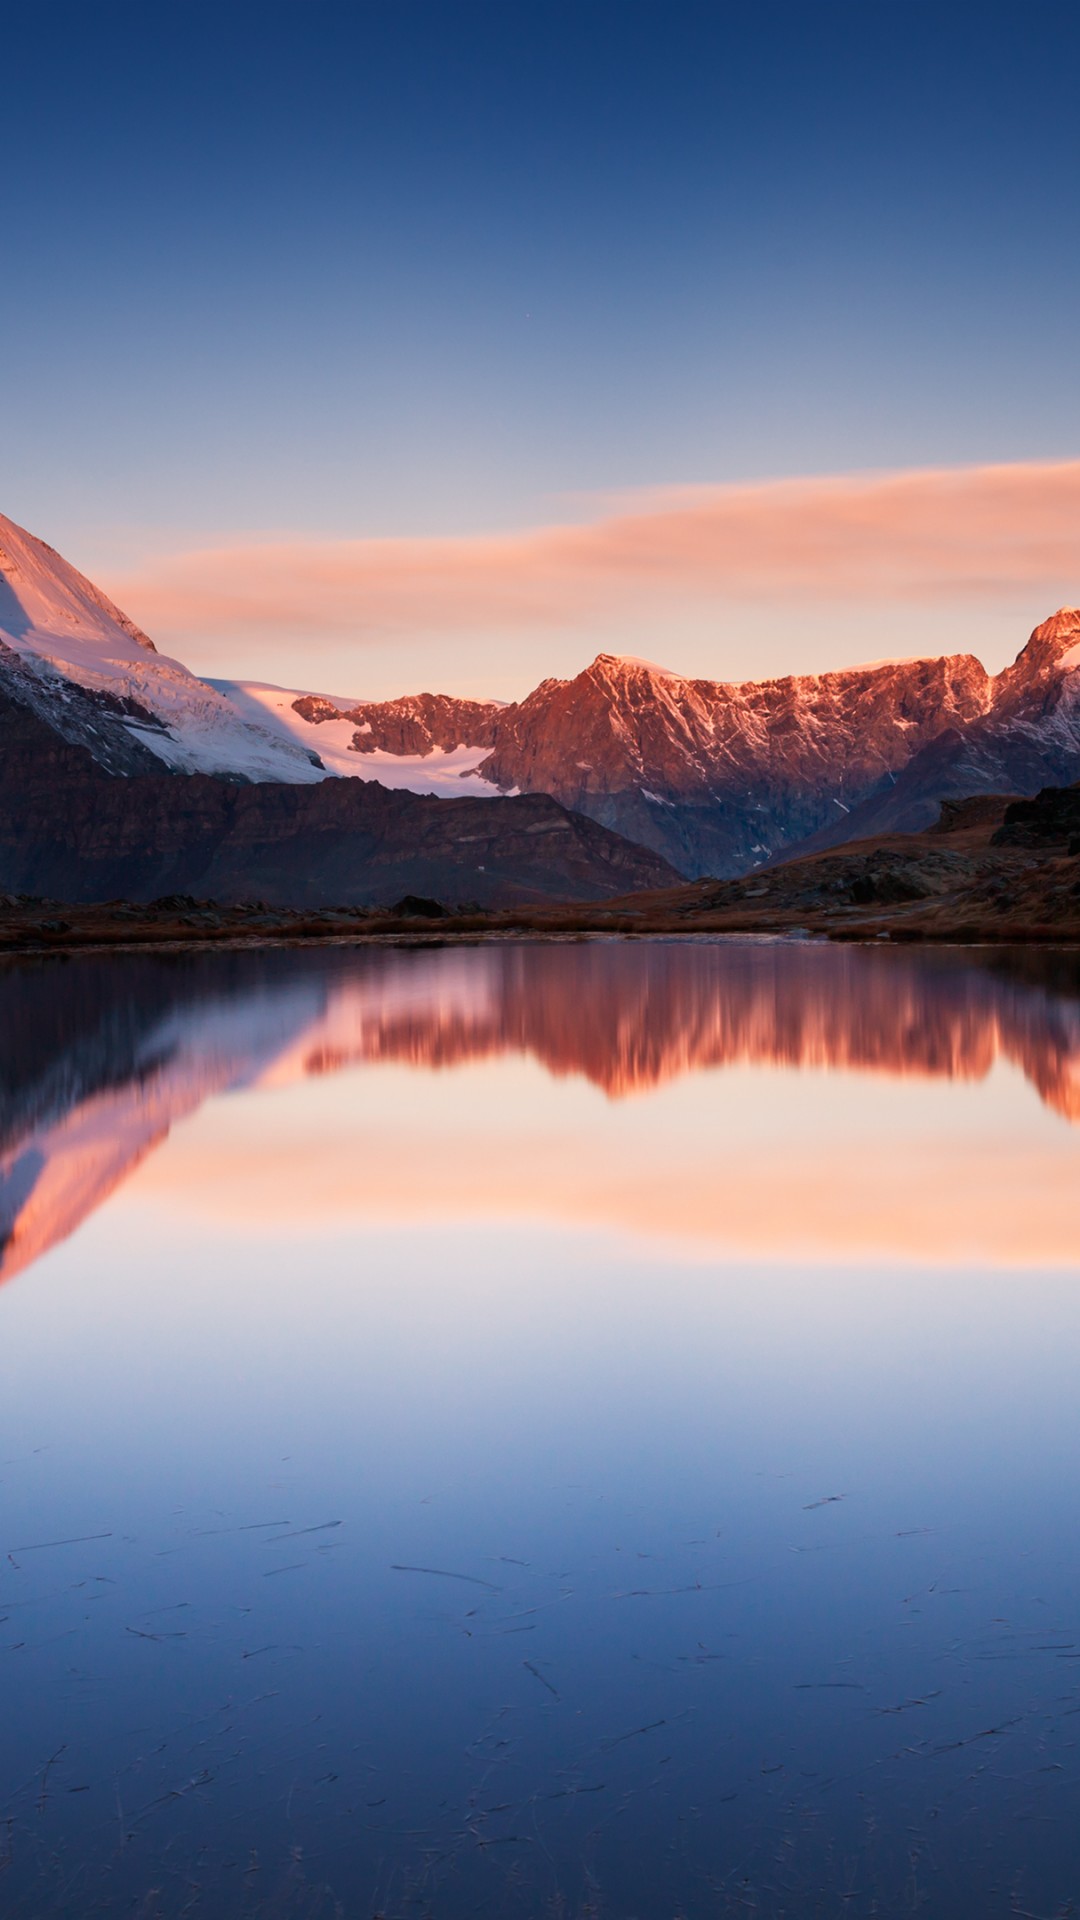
(723, 778)
(716, 778)
(93, 1081)
(1028, 738)
(415, 724)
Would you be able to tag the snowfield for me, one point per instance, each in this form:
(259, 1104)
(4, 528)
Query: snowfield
(450, 773)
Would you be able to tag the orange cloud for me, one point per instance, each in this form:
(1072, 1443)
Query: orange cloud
(917, 536)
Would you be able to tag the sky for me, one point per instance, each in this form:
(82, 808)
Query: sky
(373, 347)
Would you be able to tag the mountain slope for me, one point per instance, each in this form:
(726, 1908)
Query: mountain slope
(715, 778)
(428, 742)
(89, 672)
(718, 776)
(1029, 738)
(70, 831)
(721, 778)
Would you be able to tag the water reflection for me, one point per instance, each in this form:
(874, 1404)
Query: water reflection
(102, 1057)
(578, 1431)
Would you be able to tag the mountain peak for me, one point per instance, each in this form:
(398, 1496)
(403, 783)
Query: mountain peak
(628, 663)
(1055, 643)
(94, 675)
(1063, 627)
(40, 590)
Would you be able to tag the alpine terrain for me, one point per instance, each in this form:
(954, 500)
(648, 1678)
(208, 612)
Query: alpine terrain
(722, 778)
(122, 773)
(714, 778)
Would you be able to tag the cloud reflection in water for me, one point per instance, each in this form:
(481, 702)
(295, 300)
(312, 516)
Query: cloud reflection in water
(105, 1056)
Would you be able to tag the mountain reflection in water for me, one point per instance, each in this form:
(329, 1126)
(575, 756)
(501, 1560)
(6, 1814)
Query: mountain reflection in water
(580, 1432)
(101, 1057)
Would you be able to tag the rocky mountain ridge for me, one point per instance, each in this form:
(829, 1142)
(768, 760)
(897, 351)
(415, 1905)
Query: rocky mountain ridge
(719, 775)
(415, 723)
(715, 778)
(721, 778)
(1028, 738)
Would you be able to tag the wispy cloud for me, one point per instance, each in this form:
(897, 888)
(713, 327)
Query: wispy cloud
(917, 536)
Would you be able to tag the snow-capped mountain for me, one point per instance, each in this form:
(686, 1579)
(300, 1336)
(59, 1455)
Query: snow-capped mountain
(85, 668)
(719, 777)
(715, 777)
(85, 695)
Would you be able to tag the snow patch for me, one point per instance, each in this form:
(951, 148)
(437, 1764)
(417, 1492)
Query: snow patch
(450, 772)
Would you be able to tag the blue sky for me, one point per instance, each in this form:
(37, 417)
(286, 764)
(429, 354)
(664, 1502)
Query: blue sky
(416, 268)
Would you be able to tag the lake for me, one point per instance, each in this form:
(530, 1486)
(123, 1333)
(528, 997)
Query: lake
(561, 1429)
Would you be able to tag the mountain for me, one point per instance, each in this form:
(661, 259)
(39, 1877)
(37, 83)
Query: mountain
(718, 777)
(213, 798)
(89, 673)
(71, 830)
(93, 1079)
(428, 742)
(715, 778)
(1028, 738)
(722, 778)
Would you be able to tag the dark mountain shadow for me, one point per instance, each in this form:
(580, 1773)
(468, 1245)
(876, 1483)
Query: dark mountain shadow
(14, 618)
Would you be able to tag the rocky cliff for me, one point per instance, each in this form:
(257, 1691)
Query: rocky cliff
(70, 831)
(1028, 738)
(418, 723)
(722, 778)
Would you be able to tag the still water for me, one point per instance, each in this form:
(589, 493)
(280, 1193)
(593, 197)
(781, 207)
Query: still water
(540, 1430)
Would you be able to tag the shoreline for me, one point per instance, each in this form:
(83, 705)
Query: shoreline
(969, 880)
(88, 931)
